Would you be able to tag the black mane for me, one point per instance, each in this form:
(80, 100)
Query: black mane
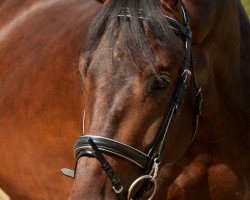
(147, 18)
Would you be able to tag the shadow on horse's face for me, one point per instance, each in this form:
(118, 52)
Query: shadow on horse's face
(126, 98)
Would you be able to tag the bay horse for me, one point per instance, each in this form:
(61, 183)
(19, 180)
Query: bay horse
(140, 61)
(40, 109)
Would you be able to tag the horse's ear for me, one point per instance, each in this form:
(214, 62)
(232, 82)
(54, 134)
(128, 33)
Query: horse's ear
(102, 1)
(170, 5)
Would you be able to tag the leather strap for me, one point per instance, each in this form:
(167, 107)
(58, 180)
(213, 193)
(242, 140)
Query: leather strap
(116, 182)
(113, 147)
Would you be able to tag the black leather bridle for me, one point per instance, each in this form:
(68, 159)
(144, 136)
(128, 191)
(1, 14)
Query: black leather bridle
(94, 146)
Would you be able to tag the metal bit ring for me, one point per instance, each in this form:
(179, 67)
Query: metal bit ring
(145, 177)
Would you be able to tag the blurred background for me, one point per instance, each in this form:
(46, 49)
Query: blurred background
(246, 4)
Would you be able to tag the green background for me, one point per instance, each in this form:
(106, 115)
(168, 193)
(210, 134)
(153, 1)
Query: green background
(246, 4)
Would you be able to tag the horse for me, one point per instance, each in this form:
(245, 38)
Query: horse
(164, 101)
(40, 109)
(147, 82)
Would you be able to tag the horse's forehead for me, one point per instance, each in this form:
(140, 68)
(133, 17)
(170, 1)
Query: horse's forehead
(114, 63)
(119, 59)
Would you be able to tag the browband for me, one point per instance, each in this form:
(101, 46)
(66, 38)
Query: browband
(172, 22)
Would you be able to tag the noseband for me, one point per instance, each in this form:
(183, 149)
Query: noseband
(94, 146)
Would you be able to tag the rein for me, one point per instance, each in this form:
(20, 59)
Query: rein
(94, 146)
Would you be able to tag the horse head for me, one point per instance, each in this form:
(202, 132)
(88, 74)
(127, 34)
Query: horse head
(136, 69)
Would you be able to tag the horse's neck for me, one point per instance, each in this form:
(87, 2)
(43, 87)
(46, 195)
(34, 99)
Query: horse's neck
(221, 61)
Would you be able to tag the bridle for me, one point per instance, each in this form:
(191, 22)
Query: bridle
(94, 146)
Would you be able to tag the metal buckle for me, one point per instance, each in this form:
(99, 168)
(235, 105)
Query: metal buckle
(155, 169)
(186, 77)
(117, 191)
(186, 71)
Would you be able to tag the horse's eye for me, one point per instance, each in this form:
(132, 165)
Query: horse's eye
(159, 83)
(163, 82)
